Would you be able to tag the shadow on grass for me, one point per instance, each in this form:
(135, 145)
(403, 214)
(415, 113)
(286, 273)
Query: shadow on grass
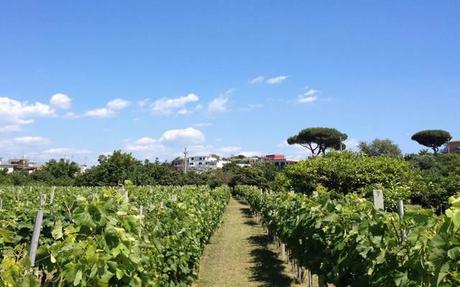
(246, 212)
(268, 269)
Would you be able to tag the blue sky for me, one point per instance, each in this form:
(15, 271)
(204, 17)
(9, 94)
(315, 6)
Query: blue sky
(81, 78)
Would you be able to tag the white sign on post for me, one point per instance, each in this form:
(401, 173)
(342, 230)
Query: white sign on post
(378, 199)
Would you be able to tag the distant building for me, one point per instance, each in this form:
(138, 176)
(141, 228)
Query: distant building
(202, 162)
(278, 160)
(19, 165)
(178, 163)
(6, 166)
(453, 147)
(199, 163)
(221, 163)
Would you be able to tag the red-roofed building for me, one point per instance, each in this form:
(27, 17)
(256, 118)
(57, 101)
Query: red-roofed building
(276, 159)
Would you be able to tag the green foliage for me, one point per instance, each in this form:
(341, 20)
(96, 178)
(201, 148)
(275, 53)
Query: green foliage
(112, 170)
(318, 140)
(100, 236)
(60, 173)
(260, 175)
(349, 243)
(15, 268)
(440, 179)
(348, 172)
(379, 147)
(432, 138)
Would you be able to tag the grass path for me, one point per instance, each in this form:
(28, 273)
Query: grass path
(240, 254)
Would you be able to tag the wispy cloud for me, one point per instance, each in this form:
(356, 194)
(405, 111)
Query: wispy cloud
(276, 80)
(309, 96)
(219, 104)
(257, 80)
(268, 80)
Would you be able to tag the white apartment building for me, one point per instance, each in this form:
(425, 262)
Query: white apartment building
(202, 162)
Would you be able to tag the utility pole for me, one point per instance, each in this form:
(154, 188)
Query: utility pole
(185, 160)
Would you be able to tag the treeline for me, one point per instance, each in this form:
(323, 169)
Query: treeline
(114, 169)
(425, 179)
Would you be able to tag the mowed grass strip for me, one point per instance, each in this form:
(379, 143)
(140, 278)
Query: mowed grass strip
(240, 254)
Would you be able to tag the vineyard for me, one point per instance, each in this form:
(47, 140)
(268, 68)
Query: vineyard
(347, 242)
(130, 236)
(318, 211)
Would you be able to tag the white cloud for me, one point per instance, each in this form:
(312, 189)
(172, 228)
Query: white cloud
(189, 135)
(14, 114)
(61, 101)
(31, 140)
(146, 141)
(110, 110)
(309, 96)
(170, 138)
(167, 106)
(257, 80)
(172, 142)
(276, 80)
(118, 104)
(269, 81)
(100, 113)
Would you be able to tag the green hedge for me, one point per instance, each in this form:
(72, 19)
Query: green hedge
(347, 172)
